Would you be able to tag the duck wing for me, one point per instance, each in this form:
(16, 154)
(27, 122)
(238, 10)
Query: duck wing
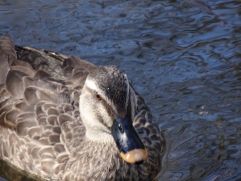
(39, 105)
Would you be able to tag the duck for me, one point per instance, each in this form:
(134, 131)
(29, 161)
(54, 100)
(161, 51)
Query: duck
(63, 118)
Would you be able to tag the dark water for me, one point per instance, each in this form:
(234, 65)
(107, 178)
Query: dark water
(183, 57)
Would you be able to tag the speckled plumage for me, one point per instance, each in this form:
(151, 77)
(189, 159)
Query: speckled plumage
(41, 130)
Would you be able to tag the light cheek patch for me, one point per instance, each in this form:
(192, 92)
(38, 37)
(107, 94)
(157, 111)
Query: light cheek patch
(91, 84)
(108, 120)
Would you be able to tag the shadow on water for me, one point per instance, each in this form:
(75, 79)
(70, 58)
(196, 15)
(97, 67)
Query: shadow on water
(182, 56)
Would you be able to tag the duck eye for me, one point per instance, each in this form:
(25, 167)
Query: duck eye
(98, 97)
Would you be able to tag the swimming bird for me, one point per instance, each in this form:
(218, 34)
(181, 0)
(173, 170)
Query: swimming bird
(63, 118)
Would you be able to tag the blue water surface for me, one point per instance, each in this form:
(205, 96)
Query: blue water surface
(182, 56)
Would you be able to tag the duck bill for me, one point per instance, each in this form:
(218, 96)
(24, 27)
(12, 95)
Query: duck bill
(131, 148)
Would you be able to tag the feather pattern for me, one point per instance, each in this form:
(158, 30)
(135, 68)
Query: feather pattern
(41, 130)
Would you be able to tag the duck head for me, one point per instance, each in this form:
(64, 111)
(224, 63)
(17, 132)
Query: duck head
(107, 109)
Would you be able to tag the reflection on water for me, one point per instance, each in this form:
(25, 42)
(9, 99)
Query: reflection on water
(183, 56)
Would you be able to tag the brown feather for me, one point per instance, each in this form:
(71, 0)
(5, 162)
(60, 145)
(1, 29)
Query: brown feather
(4, 68)
(14, 83)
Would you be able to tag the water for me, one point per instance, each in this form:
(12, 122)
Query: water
(183, 57)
